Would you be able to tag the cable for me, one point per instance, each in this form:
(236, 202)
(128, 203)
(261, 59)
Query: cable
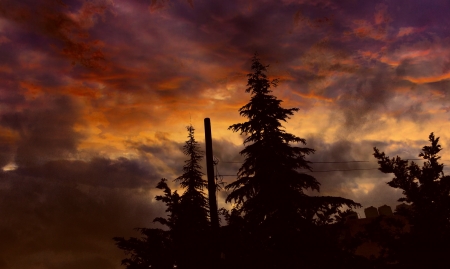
(358, 169)
(351, 161)
(334, 170)
(345, 162)
(325, 162)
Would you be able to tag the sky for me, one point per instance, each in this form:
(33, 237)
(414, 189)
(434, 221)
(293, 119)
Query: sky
(95, 97)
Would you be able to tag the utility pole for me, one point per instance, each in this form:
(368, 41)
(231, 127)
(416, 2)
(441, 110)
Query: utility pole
(213, 213)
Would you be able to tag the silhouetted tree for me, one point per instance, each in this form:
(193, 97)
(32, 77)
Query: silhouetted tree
(193, 200)
(186, 242)
(269, 191)
(427, 190)
(172, 201)
(191, 230)
(155, 249)
(152, 250)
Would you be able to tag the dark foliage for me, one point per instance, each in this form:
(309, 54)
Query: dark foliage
(172, 201)
(186, 242)
(156, 248)
(194, 204)
(279, 226)
(427, 190)
(192, 228)
(153, 250)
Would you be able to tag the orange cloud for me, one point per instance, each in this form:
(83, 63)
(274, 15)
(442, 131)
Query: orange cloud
(381, 15)
(6, 69)
(32, 90)
(172, 83)
(404, 31)
(366, 29)
(430, 79)
(312, 95)
(4, 39)
(412, 54)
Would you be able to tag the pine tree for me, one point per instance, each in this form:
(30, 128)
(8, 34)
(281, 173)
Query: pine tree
(269, 193)
(191, 231)
(186, 242)
(193, 200)
(269, 184)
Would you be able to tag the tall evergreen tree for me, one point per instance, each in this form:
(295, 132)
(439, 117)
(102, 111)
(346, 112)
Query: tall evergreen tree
(270, 185)
(268, 181)
(193, 200)
(191, 231)
(269, 192)
(186, 242)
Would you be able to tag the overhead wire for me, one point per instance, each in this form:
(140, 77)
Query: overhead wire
(337, 170)
(344, 161)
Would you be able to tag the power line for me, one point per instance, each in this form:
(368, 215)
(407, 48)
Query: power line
(333, 170)
(322, 162)
(344, 162)
(336, 170)
(349, 161)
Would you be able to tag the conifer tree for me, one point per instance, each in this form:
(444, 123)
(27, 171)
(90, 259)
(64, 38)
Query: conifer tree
(186, 242)
(193, 200)
(270, 185)
(269, 193)
(191, 231)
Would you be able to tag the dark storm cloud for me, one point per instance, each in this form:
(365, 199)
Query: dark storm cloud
(65, 213)
(371, 94)
(229, 161)
(353, 172)
(98, 172)
(344, 154)
(168, 152)
(6, 150)
(442, 86)
(47, 23)
(419, 13)
(45, 129)
(368, 97)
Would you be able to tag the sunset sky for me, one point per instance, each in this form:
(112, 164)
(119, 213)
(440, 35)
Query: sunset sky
(95, 97)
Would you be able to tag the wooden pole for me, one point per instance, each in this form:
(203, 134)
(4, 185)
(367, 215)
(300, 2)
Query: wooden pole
(212, 194)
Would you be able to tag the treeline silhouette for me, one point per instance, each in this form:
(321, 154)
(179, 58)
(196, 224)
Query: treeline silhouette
(275, 224)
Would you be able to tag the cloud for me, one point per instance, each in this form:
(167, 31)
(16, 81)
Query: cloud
(353, 172)
(45, 130)
(363, 104)
(91, 138)
(50, 21)
(56, 214)
(404, 31)
(6, 147)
